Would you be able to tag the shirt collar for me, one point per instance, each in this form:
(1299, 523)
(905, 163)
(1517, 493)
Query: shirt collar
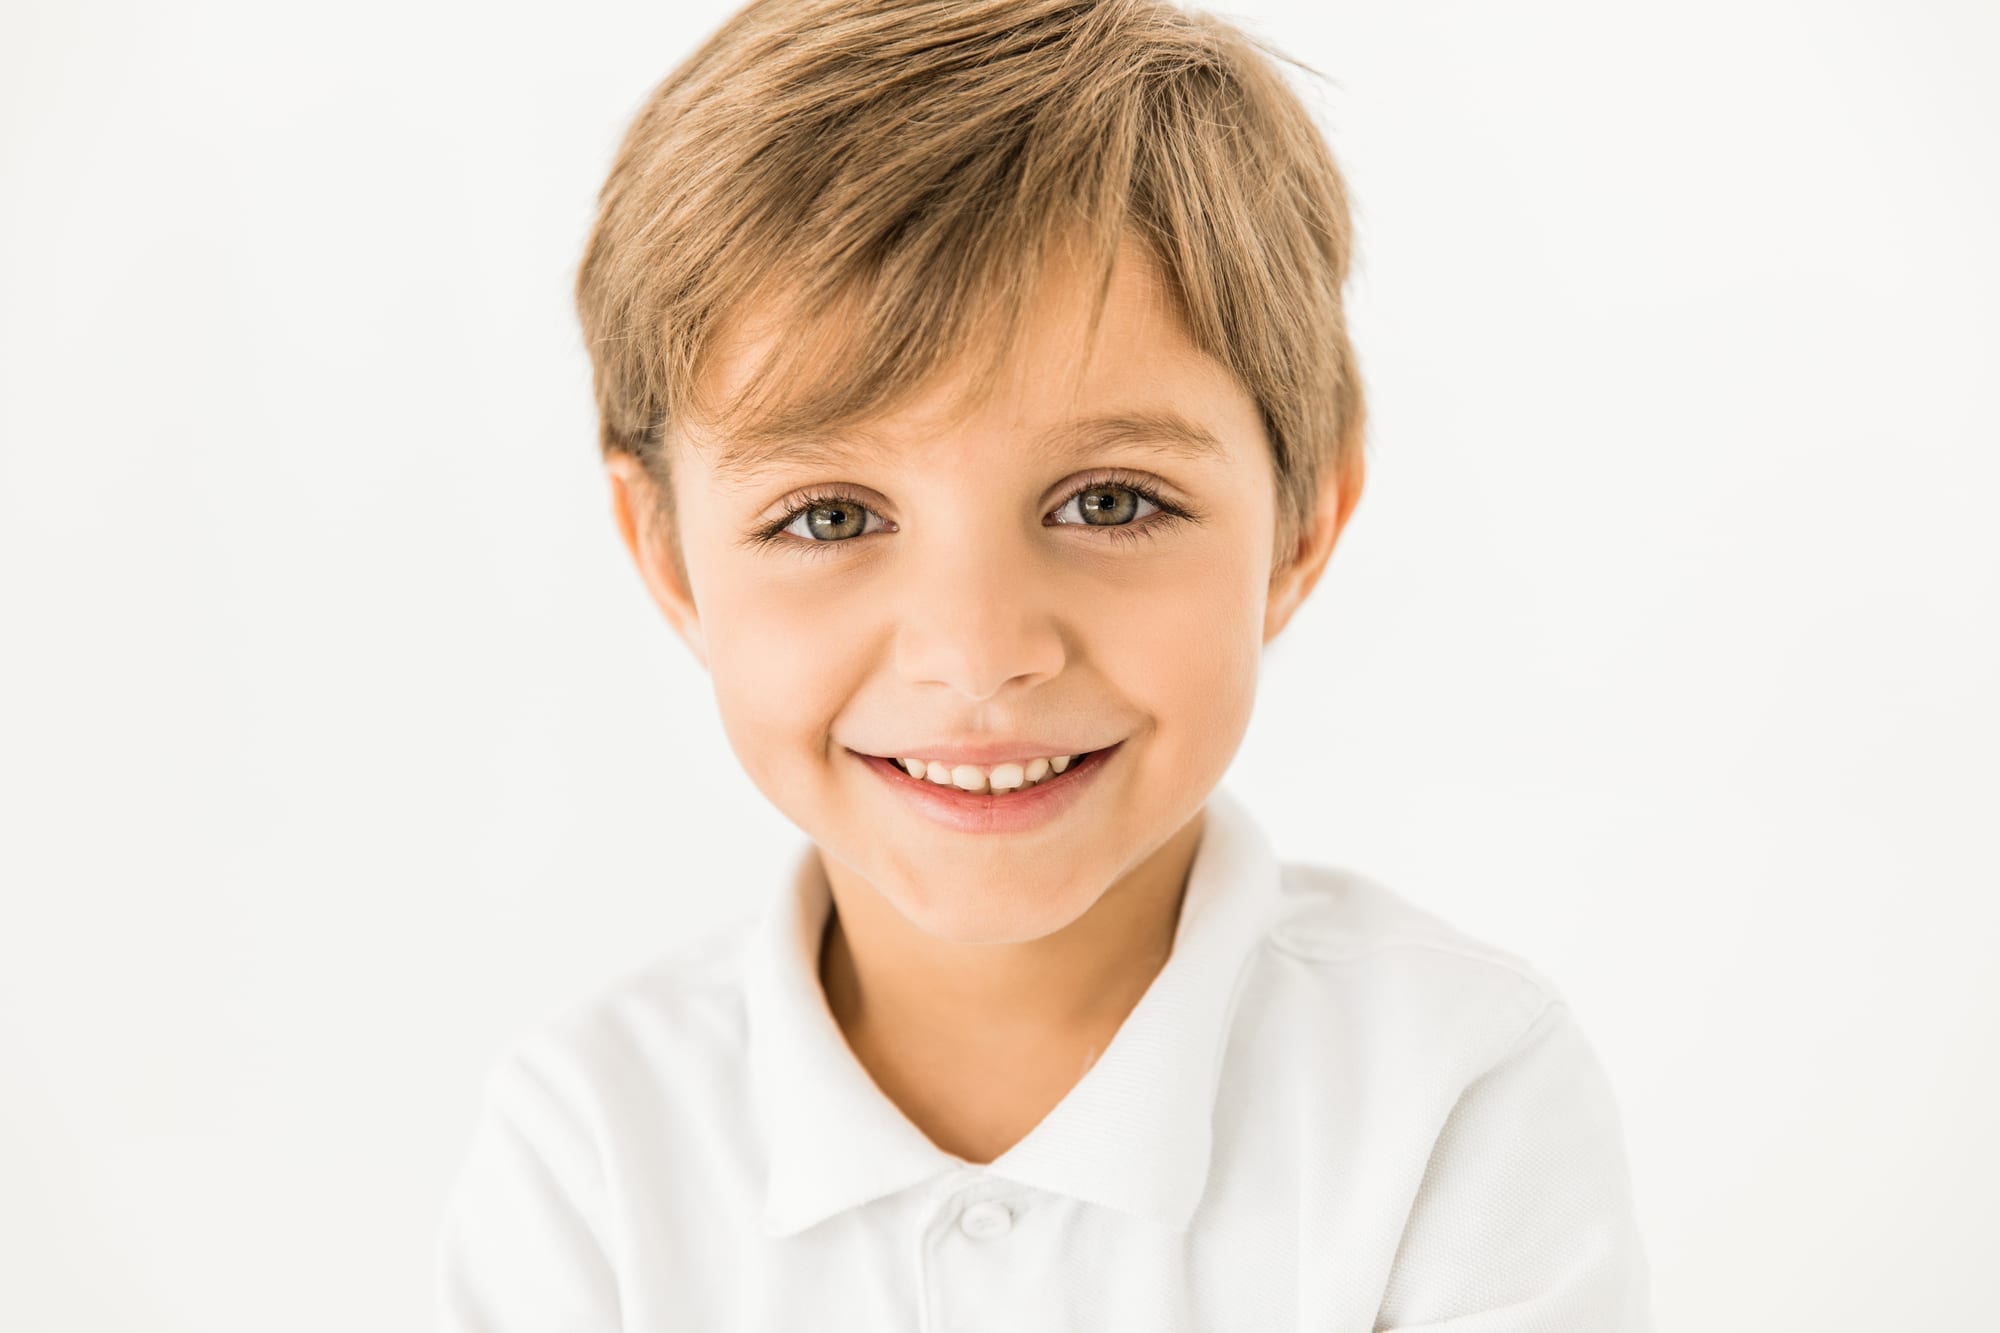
(1134, 1134)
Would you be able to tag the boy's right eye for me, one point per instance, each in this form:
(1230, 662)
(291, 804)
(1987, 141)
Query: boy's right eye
(825, 520)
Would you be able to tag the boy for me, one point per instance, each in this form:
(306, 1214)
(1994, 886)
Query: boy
(977, 404)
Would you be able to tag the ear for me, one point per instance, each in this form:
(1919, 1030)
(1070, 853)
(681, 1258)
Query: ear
(1339, 491)
(635, 505)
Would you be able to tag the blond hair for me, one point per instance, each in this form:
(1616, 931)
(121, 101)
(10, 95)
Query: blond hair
(894, 173)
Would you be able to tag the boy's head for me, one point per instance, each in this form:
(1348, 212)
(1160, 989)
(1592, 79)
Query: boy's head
(974, 383)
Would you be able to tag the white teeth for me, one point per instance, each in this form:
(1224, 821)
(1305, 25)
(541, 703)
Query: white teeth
(1006, 777)
(1000, 778)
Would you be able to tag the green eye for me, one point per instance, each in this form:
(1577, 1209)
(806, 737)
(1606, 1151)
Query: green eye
(1108, 504)
(835, 520)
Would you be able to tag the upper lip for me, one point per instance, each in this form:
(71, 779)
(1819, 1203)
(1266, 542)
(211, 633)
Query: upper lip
(986, 752)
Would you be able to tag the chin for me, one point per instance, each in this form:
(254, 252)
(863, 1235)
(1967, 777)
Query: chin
(978, 913)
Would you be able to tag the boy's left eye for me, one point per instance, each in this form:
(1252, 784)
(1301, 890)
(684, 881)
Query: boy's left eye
(1112, 506)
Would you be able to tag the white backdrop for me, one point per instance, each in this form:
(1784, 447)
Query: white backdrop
(338, 739)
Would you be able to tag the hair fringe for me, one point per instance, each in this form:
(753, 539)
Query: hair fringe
(889, 179)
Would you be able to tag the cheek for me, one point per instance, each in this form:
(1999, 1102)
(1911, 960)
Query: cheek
(782, 664)
(1184, 644)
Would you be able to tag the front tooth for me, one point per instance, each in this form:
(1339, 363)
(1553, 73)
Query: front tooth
(970, 777)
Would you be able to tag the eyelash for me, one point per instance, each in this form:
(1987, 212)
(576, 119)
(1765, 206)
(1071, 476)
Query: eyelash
(1169, 513)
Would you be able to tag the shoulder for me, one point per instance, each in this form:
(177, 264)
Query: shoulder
(1339, 916)
(1495, 1142)
(625, 1080)
(1380, 967)
(640, 1038)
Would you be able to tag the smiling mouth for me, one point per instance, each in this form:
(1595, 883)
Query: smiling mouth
(1084, 760)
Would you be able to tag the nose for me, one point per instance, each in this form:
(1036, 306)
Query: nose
(977, 616)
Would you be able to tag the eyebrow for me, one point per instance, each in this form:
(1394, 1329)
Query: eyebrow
(1161, 431)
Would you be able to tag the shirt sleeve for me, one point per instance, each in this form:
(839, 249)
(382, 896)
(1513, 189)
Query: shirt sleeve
(1524, 1222)
(518, 1247)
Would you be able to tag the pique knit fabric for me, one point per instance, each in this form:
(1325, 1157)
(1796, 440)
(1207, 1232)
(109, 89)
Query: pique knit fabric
(1331, 1111)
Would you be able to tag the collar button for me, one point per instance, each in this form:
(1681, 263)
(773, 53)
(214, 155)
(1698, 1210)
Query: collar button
(985, 1220)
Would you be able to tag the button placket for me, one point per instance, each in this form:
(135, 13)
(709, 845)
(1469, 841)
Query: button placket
(970, 1269)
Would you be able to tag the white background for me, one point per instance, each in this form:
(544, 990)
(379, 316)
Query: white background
(338, 739)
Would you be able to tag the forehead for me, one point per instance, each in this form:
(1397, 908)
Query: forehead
(1137, 380)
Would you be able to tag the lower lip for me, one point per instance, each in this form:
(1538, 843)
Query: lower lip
(984, 812)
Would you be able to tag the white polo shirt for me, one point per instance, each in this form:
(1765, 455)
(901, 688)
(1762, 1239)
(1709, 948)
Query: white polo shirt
(1331, 1111)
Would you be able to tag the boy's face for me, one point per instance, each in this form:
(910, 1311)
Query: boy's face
(952, 588)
